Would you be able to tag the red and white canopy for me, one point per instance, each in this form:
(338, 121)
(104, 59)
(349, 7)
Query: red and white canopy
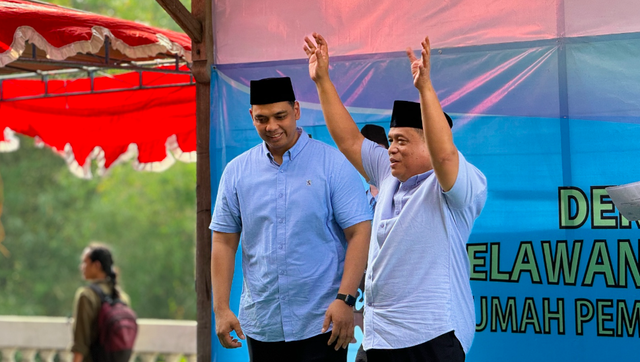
(146, 114)
(62, 33)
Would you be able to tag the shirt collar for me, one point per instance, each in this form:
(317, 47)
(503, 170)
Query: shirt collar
(414, 181)
(293, 151)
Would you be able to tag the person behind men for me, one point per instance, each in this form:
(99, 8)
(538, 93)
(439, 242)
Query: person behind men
(97, 267)
(418, 301)
(305, 227)
(378, 135)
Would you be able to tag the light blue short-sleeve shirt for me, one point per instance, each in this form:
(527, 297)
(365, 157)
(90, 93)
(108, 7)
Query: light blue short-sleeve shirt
(417, 282)
(291, 218)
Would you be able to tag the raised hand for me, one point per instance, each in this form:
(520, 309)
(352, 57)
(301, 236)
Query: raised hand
(318, 54)
(421, 68)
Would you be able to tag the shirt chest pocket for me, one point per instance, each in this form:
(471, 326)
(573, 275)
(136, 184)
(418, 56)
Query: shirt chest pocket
(383, 229)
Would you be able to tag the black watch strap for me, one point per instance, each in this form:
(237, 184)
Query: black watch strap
(347, 298)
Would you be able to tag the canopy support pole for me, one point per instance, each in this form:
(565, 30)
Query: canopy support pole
(190, 23)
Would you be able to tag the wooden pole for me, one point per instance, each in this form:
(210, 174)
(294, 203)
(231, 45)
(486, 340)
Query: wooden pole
(198, 25)
(202, 60)
(203, 234)
(187, 21)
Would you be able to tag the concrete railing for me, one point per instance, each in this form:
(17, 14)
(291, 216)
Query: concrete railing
(51, 336)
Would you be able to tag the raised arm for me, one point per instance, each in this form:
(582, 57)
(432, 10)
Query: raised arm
(223, 255)
(443, 152)
(342, 128)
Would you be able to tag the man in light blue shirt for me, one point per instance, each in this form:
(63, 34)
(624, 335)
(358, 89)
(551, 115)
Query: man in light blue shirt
(305, 226)
(418, 301)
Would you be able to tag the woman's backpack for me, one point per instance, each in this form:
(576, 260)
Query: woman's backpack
(117, 330)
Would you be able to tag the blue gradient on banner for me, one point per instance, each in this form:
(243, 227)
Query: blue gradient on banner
(506, 106)
(217, 163)
(604, 80)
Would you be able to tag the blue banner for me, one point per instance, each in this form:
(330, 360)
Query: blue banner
(555, 268)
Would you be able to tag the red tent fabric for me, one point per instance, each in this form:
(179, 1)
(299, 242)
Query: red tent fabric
(116, 122)
(76, 124)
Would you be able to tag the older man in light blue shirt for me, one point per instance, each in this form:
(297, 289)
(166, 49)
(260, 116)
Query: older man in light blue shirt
(418, 301)
(305, 226)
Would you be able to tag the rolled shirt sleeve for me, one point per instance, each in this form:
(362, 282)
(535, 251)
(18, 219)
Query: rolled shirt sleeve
(470, 188)
(226, 213)
(349, 199)
(375, 161)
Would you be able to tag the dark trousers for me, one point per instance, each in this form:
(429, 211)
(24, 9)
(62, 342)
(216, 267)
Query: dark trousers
(444, 348)
(314, 349)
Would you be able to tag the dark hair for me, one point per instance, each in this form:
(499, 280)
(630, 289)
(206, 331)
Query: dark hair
(101, 253)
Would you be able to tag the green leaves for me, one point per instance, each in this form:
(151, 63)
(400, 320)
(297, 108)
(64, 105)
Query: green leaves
(142, 11)
(49, 216)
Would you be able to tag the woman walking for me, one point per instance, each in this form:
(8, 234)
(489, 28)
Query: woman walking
(97, 267)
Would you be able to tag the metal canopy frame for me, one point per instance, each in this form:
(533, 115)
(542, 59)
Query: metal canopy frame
(91, 72)
(97, 64)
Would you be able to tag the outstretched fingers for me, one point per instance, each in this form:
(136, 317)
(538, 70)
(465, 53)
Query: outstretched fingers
(319, 39)
(426, 48)
(426, 44)
(309, 47)
(424, 58)
(411, 55)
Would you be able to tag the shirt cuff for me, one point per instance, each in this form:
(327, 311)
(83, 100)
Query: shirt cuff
(224, 228)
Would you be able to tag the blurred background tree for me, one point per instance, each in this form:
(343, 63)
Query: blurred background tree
(142, 11)
(49, 216)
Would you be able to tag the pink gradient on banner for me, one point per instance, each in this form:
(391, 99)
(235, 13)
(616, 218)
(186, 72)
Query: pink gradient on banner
(256, 30)
(598, 17)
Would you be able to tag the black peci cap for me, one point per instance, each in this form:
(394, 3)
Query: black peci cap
(271, 90)
(407, 114)
(376, 134)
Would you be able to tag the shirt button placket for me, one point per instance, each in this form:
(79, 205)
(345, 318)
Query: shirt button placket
(281, 236)
(281, 218)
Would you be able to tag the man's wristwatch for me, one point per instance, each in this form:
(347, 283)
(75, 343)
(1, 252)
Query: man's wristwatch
(347, 298)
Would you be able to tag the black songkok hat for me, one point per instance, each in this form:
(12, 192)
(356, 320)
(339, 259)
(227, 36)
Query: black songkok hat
(271, 90)
(407, 114)
(376, 134)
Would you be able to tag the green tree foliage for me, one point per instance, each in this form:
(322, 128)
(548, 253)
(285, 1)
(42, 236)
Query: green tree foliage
(49, 216)
(143, 11)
